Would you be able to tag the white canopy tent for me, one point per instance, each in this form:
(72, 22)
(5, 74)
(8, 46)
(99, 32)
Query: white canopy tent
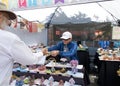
(108, 9)
(96, 11)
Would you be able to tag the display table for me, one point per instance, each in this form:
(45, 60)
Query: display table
(83, 57)
(97, 62)
(108, 62)
(80, 79)
(108, 73)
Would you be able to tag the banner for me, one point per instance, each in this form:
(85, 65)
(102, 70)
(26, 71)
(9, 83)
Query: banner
(13, 4)
(116, 33)
(22, 3)
(33, 4)
(29, 24)
(5, 1)
(32, 27)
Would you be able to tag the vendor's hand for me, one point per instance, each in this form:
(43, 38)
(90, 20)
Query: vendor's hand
(54, 53)
(45, 51)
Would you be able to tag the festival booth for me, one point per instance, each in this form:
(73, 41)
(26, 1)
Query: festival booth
(51, 72)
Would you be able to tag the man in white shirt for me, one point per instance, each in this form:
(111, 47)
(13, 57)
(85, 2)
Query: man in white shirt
(12, 48)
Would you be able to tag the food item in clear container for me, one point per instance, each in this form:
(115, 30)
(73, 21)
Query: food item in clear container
(61, 83)
(31, 67)
(42, 67)
(106, 57)
(118, 72)
(115, 57)
(63, 70)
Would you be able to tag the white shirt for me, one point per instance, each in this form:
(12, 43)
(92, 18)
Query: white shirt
(12, 48)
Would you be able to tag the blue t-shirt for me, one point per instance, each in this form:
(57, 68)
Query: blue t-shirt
(117, 44)
(104, 44)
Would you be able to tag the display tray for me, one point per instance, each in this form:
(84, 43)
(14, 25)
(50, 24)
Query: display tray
(78, 77)
(79, 81)
(60, 65)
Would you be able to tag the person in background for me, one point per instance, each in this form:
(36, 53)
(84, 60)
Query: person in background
(65, 48)
(104, 43)
(114, 45)
(111, 45)
(79, 44)
(117, 44)
(12, 48)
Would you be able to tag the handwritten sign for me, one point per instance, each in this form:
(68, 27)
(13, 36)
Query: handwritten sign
(116, 33)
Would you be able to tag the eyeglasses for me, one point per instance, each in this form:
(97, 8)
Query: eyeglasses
(65, 39)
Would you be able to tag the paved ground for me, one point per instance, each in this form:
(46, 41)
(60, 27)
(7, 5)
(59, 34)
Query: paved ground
(93, 80)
